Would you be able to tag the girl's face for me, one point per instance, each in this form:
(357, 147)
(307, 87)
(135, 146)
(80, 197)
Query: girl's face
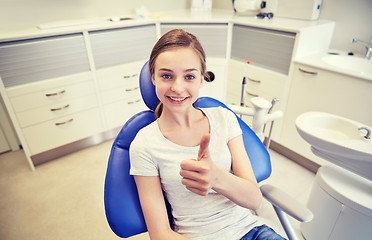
(177, 78)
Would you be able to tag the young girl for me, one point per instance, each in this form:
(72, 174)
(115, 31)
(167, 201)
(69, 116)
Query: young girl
(196, 156)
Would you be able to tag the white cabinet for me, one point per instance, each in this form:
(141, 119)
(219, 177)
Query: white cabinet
(269, 53)
(4, 145)
(119, 55)
(260, 82)
(325, 91)
(104, 63)
(67, 88)
(55, 112)
(67, 129)
(47, 88)
(120, 92)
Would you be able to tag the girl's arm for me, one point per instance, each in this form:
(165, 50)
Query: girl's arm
(240, 187)
(154, 209)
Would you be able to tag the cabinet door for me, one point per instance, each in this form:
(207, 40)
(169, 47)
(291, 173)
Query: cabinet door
(45, 113)
(267, 48)
(4, 146)
(259, 83)
(212, 36)
(323, 91)
(122, 45)
(55, 133)
(50, 96)
(119, 112)
(32, 60)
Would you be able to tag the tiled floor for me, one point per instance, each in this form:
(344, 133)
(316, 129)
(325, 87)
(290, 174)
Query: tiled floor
(63, 199)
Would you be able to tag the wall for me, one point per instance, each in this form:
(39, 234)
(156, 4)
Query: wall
(15, 14)
(353, 20)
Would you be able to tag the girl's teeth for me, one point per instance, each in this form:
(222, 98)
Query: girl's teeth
(177, 99)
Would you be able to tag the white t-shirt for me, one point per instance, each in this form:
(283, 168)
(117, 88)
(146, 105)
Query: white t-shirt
(196, 217)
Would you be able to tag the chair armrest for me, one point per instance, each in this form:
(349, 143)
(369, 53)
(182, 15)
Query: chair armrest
(286, 203)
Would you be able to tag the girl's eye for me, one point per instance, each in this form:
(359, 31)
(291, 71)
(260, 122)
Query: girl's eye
(166, 76)
(190, 77)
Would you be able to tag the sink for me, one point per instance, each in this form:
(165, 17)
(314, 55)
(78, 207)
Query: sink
(338, 140)
(352, 63)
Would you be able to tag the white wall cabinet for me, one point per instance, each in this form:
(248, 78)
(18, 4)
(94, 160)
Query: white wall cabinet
(324, 91)
(260, 82)
(118, 56)
(54, 112)
(121, 96)
(269, 53)
(63, 89)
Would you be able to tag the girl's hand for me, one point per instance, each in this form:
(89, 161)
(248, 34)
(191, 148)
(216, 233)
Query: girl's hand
(198, 174)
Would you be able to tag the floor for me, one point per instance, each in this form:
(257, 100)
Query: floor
(63, 199)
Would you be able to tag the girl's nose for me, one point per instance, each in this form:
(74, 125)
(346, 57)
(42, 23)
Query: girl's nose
(177, 86)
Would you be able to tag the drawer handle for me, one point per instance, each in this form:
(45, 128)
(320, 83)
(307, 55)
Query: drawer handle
(55, 94)
(130, 76)
(251, 94)
(133, 102)
(307, 72)
(131, 89)
(62, 123)
(59, 109)
(254, 80)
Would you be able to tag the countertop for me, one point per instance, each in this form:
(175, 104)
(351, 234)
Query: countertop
(181, 16)
(317, 61)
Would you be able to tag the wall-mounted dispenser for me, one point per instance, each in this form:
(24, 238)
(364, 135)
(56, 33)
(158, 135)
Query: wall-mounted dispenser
(300, 9)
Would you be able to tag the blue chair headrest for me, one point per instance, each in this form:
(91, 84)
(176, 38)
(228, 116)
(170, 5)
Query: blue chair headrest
(147, 88)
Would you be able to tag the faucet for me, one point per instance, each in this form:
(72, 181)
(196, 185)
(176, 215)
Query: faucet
(368, 134)
(367, 45)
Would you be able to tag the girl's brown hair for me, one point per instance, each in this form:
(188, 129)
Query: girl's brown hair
(174, 39)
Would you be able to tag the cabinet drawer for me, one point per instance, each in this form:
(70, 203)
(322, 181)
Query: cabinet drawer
(123, 93)
(119, 76)
(58, 132)
(51, 96)
(261, 80)
(118, 113)
(45, 113)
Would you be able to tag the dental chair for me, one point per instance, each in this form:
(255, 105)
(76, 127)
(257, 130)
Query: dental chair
(122, 205)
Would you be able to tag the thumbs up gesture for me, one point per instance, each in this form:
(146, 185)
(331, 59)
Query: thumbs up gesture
(198, 174)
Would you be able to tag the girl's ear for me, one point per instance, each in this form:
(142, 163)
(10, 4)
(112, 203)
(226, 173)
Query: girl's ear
(153, 79)
(203, 78)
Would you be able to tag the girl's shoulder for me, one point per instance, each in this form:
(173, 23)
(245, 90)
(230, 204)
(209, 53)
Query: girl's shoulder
(218, 112)
(146, 133)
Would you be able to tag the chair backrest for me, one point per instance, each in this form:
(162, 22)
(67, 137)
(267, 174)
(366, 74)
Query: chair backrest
(122, 206)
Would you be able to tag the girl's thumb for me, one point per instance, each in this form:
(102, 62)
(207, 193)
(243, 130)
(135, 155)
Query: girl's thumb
(204, 146)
